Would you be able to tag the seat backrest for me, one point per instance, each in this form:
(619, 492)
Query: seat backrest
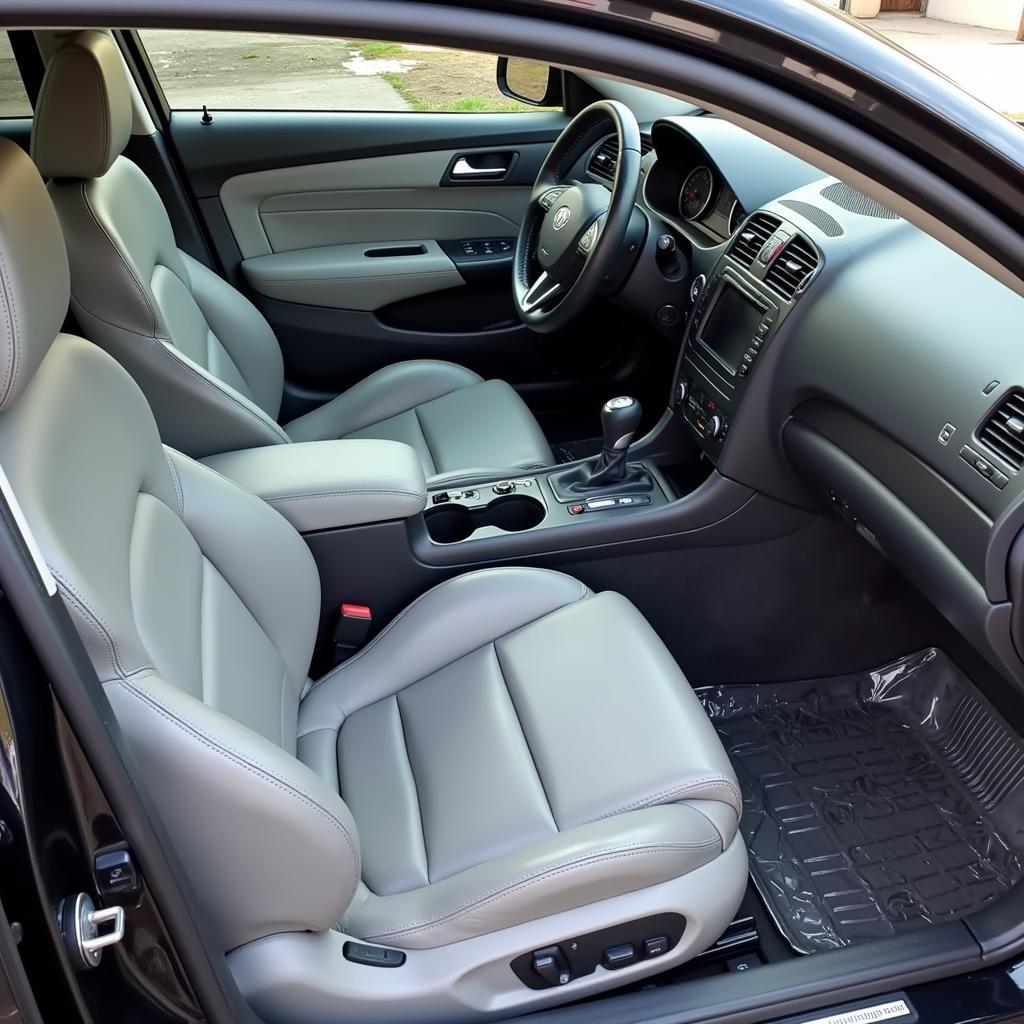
(197, 602)
(203, 354)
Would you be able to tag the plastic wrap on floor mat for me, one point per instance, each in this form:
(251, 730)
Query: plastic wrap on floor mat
(874, 803)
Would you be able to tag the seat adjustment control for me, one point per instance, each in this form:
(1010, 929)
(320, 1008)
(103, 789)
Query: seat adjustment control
(619, 956)
(550, 963)
(372, 956)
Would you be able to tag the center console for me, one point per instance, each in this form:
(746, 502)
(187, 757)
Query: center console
(737, 313)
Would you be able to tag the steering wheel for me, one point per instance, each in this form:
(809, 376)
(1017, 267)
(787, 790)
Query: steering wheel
(573, 233)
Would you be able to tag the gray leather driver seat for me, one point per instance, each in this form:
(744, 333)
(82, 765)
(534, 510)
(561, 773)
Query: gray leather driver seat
(205, 357)
(514, 763)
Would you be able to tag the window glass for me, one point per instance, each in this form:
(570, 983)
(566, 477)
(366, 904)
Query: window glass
(13, 98)
(263, 71)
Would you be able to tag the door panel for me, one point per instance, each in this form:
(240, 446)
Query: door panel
(377, 199)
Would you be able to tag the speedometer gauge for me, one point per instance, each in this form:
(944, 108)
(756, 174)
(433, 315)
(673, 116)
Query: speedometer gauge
(695, 195)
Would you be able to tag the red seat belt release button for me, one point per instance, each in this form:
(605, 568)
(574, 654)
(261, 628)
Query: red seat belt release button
(353, 627)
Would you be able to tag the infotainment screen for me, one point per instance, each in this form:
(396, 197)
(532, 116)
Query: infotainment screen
(731, 325)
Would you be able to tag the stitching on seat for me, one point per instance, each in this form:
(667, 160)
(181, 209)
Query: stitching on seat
(105, 634)
(526, 881)
(13, 329)
(672, 794)
(254, 768)
(426, 444)
(177, 482)
(124, 263)
(526, 738)
(415, 787)
(584, 592)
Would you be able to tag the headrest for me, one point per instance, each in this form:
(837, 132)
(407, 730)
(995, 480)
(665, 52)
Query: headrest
(35, 285)
(83, 118)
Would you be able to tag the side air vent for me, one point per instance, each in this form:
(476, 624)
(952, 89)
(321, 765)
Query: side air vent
(856, 202)
(1003, 431)
(752, 237)
(605, 160)
(793, 268)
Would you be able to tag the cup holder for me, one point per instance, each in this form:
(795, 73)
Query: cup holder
(448, 524)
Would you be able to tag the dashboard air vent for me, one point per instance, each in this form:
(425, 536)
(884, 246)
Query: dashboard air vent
(750, 241)
(605, 160)
(1003, 431)
(793, 267)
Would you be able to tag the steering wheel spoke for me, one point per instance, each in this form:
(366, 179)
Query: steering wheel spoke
(544, 289)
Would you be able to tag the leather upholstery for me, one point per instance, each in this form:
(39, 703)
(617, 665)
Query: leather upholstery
(457, 422)
(548, 702)
(89, 123)
(511, 749)
(204, 355)
(323, 485)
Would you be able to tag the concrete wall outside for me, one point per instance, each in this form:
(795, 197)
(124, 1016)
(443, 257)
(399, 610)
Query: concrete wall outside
(1001, 14)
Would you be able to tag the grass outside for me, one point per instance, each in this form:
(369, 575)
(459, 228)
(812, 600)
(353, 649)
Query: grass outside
(442, 80)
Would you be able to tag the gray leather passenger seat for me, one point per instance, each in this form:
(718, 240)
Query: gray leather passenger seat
(206, 358)
(514, 764)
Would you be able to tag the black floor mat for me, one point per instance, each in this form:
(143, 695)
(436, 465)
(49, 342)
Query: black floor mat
(874, 803)
(572, 451)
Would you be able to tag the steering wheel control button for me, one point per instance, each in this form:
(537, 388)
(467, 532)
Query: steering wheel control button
(549, 198)
(372, 956)
(504, 487)
(616, 957)
(588, 239)
(668, 315)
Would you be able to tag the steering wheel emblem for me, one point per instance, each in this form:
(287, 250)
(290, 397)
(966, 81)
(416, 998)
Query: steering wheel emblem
(562, 217)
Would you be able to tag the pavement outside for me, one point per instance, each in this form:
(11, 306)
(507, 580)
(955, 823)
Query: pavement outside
(984, 62)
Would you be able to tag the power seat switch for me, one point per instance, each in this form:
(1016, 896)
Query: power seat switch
(551, 965)
(372, 956)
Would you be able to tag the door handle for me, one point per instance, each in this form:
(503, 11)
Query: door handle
(464, 169)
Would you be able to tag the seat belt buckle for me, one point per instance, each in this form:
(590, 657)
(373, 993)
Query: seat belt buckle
(354, 622)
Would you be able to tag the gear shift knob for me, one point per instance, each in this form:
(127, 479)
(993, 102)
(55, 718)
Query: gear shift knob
(620, 418)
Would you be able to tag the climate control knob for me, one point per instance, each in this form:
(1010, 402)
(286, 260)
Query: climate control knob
(714, 426)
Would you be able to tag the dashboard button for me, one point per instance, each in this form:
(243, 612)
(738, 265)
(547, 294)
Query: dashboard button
(999, 479)
(668, 315)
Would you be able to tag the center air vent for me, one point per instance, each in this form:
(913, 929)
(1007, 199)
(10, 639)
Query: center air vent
(1003, 431)
(793, 268)
(605, 160)
(750, 241)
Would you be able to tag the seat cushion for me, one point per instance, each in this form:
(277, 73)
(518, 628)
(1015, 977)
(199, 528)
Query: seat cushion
(512, 746)
(459, 424)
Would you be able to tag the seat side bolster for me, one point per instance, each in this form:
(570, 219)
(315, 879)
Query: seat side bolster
(210, 776)
(575, 868)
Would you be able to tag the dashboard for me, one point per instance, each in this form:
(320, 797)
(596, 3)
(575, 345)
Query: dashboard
(831, 354)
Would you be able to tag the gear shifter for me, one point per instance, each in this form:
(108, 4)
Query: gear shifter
(610, 472)
(620, 418)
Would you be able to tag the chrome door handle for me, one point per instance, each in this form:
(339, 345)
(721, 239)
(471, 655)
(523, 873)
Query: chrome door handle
(464, 169)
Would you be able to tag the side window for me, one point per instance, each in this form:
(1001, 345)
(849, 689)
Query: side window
(263, 71)
(14, 100)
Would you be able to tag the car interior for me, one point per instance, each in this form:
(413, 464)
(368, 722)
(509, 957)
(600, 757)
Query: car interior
(532, 557)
